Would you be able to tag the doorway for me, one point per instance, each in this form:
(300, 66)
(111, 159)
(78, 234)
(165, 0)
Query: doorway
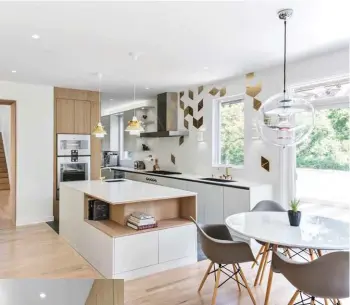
(7, 164)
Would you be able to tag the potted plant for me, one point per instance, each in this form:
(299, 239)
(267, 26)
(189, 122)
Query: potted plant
(294, 214)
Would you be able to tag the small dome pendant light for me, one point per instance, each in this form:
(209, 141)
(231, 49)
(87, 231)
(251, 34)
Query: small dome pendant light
(99, 131)
(134, 126)
(285, 120)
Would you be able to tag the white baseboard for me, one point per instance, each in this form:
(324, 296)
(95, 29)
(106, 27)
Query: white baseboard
(25, 222)
(130, 275)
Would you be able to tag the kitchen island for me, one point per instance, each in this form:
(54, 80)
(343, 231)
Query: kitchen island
(118, 251)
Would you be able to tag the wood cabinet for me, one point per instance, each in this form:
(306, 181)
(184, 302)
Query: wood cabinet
(76, 112)
(73, 116)
(65, 116)
(82, 117)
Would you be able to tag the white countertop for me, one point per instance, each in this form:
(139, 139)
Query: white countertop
(192, 177)
(126, 191)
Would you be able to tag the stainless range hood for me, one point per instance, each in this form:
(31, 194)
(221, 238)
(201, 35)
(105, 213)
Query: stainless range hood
(167, 117)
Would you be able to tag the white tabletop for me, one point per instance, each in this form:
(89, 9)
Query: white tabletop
(314, 232)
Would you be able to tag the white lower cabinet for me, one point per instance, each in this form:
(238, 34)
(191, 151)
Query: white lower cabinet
(236, 201)
(173, 245)
(135, 251)
(175, 183)
(133, 176)
(146, 251)
(210, 205)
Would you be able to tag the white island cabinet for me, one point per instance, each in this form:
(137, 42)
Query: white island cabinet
(118, 251)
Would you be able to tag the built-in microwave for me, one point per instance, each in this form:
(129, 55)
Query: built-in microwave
(68, 143)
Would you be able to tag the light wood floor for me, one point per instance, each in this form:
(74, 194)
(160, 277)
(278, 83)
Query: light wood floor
(179, 286)
(36, 251)
(5, 210)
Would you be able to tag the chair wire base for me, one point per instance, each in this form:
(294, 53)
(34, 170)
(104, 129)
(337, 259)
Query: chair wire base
(229, 273)
(306, 299)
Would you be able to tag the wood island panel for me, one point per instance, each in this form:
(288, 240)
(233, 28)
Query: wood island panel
(113, 229)
(168, 213)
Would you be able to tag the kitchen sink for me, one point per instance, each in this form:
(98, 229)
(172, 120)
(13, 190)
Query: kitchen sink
(114, 180)
(217, 180)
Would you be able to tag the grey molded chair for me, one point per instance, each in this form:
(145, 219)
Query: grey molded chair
(326, 277)
(264, 206)
(218, 246)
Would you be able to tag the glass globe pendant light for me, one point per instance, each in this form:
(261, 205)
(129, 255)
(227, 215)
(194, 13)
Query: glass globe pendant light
(134, 126)
(285, 120)
(99, 131)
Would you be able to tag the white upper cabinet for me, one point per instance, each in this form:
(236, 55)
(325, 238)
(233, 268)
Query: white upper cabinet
(209, 202)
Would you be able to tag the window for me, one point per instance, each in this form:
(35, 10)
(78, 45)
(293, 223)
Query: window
(322, 161)
(228, 130)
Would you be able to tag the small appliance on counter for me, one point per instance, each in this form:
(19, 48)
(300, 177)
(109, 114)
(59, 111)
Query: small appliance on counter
(110, 158)
(139, 165)
(98, 210)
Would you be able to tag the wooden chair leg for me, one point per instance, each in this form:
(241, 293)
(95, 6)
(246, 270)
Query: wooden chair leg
(325, 302)
(319, 252)
(236, 276)
(311, 252)
(217, 283)
(269, 282)
(288, 253)
(312, 302)
(205, 276)
(246, 284)
(264, 267)
(295, 295)
(258, 255)
(266, 250)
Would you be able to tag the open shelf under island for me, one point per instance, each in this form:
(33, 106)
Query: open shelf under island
(118, 251)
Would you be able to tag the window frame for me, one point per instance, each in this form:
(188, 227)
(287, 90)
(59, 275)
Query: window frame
(216, 147)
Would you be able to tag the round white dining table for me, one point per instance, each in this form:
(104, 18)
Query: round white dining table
(314, 232)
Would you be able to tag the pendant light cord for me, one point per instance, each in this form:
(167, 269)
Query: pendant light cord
(285, 58)
(99, 93)
(134, 99)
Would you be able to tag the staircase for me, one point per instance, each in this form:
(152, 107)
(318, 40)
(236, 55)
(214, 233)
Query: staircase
(4, 176)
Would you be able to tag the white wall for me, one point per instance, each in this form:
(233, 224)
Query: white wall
(5, 129)
(196, 157)
(35, 112)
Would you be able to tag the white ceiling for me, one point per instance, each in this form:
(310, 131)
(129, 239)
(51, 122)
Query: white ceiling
(176, 40)
(58, 292)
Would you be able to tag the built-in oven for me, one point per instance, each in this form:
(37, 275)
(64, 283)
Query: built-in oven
(66, 143)
(74, 168)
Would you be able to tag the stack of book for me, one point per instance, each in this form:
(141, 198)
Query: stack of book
(141, 221)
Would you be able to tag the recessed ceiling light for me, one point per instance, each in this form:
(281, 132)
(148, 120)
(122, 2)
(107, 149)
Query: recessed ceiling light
(14, 71)
(111, 99)
(147, 88)
(206, 68)
(35, 36)
(42, 295)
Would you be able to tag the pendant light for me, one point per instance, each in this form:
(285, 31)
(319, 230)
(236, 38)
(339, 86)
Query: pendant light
(99, 131)
(134, 126)
(285, 120)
